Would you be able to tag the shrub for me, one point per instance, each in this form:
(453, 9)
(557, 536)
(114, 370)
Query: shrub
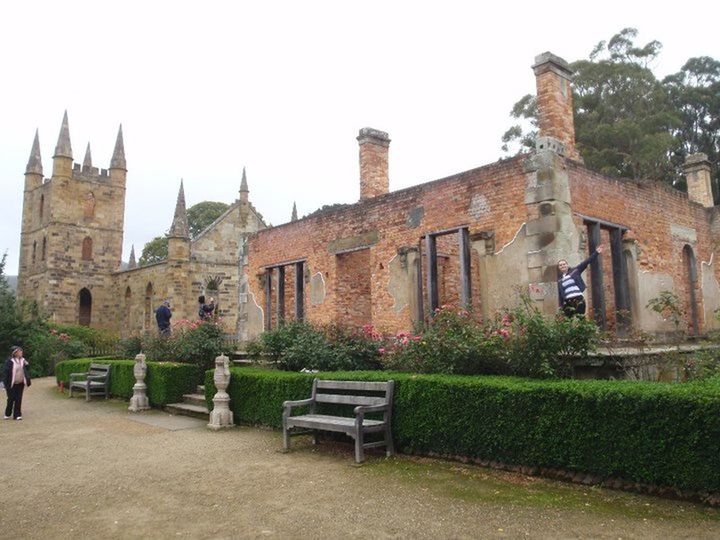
(657, 433)
(166, 381)
(192, 342)
(299, 345)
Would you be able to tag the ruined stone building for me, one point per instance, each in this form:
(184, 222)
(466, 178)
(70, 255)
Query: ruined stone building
(480, 237)
(477, 239)
(71, 248)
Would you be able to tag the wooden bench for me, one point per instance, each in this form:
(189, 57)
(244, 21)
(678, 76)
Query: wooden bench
(344, 393)
(96, 381)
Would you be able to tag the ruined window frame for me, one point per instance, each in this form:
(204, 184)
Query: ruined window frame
(621, 285)
(299, 265)
(430, 241)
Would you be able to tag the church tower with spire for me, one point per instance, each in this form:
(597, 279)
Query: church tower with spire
(72, 232)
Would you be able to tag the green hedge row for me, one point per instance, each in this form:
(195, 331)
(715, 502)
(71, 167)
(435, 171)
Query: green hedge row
(166, 381)
(663, 434)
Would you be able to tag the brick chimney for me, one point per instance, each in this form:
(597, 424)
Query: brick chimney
(697, 175)
(374, 179)
(554, 101)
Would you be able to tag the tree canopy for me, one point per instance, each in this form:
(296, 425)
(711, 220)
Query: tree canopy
(200, 216)
(627, 122)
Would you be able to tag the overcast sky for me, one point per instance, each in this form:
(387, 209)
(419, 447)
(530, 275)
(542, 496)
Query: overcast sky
(282, 88)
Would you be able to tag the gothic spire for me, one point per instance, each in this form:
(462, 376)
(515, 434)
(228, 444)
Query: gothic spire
(132, 263)
(244, 188)
(179, 227)
(63, 147)
(243, 182)
(294, 217)
(34, 164)
(87, 162)
(118, 157)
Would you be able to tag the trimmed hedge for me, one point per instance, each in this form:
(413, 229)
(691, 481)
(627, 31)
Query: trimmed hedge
(166, 381)
(663, 434)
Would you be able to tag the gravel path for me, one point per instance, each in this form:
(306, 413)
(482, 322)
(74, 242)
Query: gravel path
(76, 469)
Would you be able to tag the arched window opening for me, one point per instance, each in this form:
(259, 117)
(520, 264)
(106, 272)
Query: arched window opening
(42, 206)
(44, 248)
(690, 267)
(89, 206)
(148, 307)
(128, 312)
(87, 249)
(34, 251)
(85, 312)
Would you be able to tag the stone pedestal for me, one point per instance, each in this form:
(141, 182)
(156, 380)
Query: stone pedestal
(221, 415)
(139, 401)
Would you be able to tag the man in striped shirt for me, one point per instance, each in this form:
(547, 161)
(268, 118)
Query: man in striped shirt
(571, 285)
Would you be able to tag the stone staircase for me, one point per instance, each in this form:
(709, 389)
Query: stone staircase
(191, 405)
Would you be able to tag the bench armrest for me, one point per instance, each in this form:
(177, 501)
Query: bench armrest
(75, 375)
(288, 405)
(364, 409)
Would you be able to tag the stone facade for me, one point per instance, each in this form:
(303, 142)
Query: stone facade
(71, 249)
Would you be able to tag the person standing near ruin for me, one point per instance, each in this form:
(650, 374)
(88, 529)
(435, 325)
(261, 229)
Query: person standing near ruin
(571, 285)
(16, 376)
(162, 316)
(205, 311)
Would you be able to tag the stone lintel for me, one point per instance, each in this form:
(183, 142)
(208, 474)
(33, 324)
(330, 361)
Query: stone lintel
(360, 241)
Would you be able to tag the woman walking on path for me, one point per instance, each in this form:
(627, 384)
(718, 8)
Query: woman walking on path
(571, 285)
(16, 376)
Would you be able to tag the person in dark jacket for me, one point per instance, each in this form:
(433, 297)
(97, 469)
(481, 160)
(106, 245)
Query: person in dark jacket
(571, 285)
(162, 316)
(205, 311)
(16, 376)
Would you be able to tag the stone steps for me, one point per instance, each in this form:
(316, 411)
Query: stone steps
(191, 405)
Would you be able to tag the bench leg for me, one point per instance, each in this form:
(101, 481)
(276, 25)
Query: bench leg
(359, 451)
(389, 448)
(87, 394)
(316, 438)
(286, 439)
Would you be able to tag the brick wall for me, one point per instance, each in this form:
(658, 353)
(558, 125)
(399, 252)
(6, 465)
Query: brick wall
(489, 198)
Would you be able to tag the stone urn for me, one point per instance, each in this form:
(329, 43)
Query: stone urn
(139, 401)
(221, 416)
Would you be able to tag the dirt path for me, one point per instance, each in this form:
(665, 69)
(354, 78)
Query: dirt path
(76, 469)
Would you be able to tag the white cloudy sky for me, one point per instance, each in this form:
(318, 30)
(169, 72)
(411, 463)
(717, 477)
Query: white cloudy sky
(282, 87)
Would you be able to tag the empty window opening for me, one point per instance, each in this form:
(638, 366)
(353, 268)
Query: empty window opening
(447, 269)
(85, 315)
(609, 293)
(284, 286)
(148, 307)
(44, 248)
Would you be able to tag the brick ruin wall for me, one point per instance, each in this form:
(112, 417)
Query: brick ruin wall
(366, 245)
(662, 222)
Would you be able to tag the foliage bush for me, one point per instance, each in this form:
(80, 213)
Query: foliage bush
(166, 381)
(521, 341)
(192, 342)
(664, 434)
(299, 345)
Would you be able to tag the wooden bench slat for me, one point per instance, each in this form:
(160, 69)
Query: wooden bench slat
(343, 399)
(353, 385)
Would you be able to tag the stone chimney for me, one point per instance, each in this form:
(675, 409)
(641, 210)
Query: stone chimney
(554, 101)
(697, 175)
(374, 178)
